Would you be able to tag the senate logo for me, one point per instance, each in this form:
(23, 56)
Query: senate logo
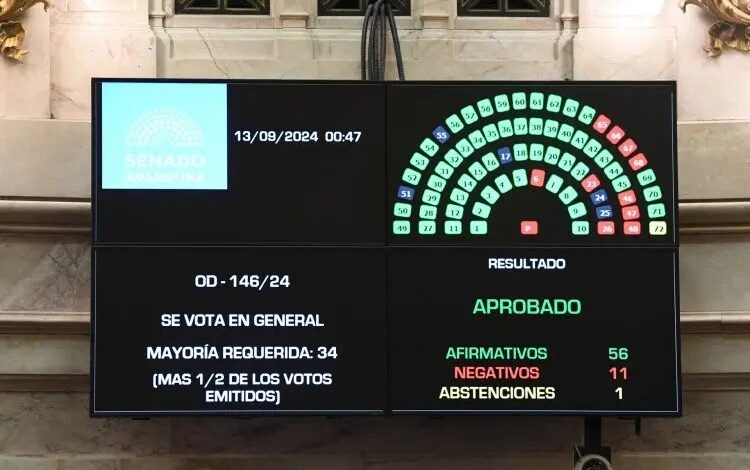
(165, 126)
(158, 136)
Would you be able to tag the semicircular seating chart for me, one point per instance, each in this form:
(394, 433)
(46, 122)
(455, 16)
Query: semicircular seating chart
(564, 148)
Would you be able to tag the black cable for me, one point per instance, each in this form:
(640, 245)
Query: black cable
(396, 42)
(363, 51)
(383, 41)
(375, 38)
(373, 49)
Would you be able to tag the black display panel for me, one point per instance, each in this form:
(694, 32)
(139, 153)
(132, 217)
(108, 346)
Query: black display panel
(299, 169)
(576, 330)
(532, 164)
(227, 330)
(430, 237)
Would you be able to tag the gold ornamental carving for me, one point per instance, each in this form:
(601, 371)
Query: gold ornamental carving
(732, 28)
(12, 33)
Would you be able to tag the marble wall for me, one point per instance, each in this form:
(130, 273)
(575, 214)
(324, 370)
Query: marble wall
(44, 274)
(615, 41)
(714, 435)
(44, 253)
(79, 39)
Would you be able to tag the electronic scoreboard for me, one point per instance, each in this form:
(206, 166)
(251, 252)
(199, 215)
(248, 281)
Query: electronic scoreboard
(316, 247)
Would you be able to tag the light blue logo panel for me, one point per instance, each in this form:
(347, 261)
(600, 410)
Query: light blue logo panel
(164, 135)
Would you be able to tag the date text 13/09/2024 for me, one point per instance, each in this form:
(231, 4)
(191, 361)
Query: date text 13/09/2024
(298, 136)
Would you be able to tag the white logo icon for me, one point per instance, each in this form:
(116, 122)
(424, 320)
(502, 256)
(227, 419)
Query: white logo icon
(165, 126)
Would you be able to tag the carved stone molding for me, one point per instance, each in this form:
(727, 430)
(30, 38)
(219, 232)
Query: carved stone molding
(709, 217)
(718, 382)
(715, 322)
(45, 217)
(78, 323)
(45, 383)
(732, 28)
(74, 217)
(45, 323)
(12, 33)
(75, 383)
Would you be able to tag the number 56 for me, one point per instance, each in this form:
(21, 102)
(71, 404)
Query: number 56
(618, 354)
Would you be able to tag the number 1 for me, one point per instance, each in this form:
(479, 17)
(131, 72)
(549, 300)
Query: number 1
(618, 391)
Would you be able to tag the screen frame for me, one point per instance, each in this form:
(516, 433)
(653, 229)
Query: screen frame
(96, 179)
